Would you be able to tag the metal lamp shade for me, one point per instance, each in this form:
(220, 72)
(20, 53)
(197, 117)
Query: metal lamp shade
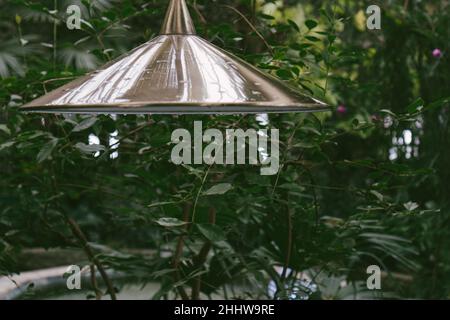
(177, 72)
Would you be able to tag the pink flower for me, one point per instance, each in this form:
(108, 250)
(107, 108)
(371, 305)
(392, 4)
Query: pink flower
(437, 53)
(341, 109)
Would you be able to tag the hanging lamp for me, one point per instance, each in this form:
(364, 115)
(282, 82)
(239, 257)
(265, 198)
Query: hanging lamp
(177, 72)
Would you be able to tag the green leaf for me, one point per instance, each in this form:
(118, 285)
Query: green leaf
(294, 25)
(6, 145)
(311, 24)
(11, 233)
(304, 145)
(300, 47)
(331, 38)
(89, 148)
(220, 188)
(411, 206)
(378, 195)
(389, 112)
(160, 204)
(266, 16)
(312, 39)
(87, 23)
(305, 87)
(284, 74)
(46, 150)
(85, 124)
(439, 103)
(170, 222)
(211, 232)
(5, 129)
(416, 106)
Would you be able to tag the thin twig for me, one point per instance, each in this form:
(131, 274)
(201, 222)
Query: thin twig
(284, 155)
(102, 45)
(135, 130)
(120, 21)
(254, 10)
(53, 80)
(330, 44)
(406, 5)
(55, 35)
(65, 240)
(199, 192)
(252, 27)
(316, 203)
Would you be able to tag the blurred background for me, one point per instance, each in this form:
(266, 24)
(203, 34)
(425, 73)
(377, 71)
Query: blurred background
(364, 184)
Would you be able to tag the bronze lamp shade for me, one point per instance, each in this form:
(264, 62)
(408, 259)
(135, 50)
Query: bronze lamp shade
(177, 72)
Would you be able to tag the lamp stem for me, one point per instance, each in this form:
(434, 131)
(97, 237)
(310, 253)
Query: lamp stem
(178, 19)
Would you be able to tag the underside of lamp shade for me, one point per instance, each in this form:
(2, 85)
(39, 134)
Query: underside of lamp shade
(177, 72)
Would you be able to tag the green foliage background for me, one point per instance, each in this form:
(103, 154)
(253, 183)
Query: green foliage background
(349, 194)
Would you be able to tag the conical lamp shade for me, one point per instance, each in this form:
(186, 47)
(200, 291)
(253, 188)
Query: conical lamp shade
(177, 72)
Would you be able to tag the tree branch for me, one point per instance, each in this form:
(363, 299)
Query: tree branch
(179, 252)
(200, 15)
(91, 256)
(289, 246)
(98, 292)
(200, 260)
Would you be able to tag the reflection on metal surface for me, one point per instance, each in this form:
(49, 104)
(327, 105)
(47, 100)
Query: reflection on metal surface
(176, 73)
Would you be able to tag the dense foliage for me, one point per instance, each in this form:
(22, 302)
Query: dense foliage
(364, 184)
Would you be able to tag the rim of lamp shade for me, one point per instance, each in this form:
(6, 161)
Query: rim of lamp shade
(177, 72)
